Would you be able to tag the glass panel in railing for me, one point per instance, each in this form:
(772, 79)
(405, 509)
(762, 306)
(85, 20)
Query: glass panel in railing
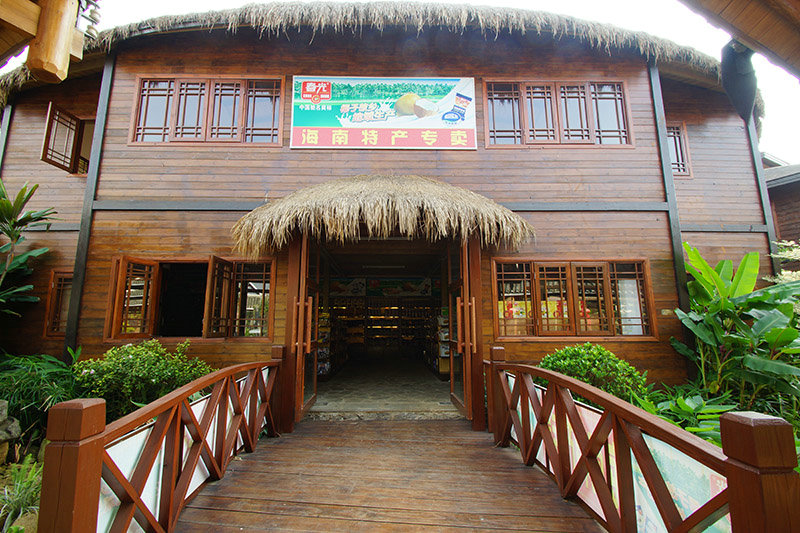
(151, 494)
(648, 519)
(125, 452)
(511, 379)
(691, 483)
(201, 474)
(107, 508)
(541, 454)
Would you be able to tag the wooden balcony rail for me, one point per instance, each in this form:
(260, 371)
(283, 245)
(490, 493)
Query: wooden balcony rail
(632, 470)
(147, 465)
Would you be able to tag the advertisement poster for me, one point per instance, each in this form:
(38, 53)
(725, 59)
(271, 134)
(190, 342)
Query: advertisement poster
(383, 113)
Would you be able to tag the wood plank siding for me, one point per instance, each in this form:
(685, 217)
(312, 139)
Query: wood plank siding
(612, 183)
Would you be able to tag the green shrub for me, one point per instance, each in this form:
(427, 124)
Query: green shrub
(32, 384)
(593, 364)
(136, 374)
(22, 495)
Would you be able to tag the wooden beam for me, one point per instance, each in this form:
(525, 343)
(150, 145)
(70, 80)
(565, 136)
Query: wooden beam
(761, 183)
(57, 226)
(49, 51)
(76, 46)
(21, 15)
(93, 174)
(669, 186)
(4, 127)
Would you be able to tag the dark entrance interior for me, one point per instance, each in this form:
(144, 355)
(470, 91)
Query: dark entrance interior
(383, 347)
(182, 299)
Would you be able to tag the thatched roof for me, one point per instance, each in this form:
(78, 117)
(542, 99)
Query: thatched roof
(346, 210)
(278, 18)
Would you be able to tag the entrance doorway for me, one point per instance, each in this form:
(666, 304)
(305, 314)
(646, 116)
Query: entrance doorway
(380, 328)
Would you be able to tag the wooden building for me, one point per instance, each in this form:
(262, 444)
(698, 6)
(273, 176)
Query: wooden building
(613, 146)
(783, 183)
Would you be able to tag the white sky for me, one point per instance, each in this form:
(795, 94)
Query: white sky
(664, 18)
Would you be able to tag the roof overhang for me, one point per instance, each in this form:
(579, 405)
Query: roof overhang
(379, 206)
(780, 176)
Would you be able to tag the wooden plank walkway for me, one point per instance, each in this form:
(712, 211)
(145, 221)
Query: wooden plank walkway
(383, 475)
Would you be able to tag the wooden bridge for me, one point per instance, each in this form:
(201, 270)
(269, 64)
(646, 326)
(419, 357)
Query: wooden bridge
(176, 465)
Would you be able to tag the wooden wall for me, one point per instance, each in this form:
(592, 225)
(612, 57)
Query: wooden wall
(57, 188)
(785, 201)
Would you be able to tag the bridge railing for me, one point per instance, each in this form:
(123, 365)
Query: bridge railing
(138, 472)
(634, 471)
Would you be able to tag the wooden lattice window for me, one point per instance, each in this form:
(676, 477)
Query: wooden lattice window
(591, 291)
(218, 298)
(226, 103)
(135, 298)
(575, 123)
(554, 298)
(190, 112)
(576, 298)
(515, 308)
(541, 119)
(678, 152)
(503, 111)
(60, 291)
(238, 299)
(629, 297)
(262, 122)
(67, 140)
(154, 111)
(215, 110)
(608, 106)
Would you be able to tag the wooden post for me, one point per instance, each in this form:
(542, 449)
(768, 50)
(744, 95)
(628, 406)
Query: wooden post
(495, 397)
(763, 486)
(49, 52)
(73, 463)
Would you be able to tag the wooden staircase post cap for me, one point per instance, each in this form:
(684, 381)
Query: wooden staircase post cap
(75, 420)
(758, 440)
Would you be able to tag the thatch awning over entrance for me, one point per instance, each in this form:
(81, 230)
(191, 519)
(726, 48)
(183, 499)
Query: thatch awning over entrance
(378, 206)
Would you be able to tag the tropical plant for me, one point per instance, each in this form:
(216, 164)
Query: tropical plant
(688, 409)
(32, 384)
(746, 341)
(22, 495)
(595, 365)
(13, 220)
(133, 375)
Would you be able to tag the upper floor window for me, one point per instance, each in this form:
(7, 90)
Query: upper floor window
(678, 152)
(521, 113)
(215, 298)
(215, 110)
(578, 298)
(67, 140)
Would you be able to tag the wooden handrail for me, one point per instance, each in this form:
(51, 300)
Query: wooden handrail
(579, 445)
(173, 438)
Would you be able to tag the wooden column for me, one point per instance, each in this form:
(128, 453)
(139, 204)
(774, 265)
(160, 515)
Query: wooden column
(92, 177)
(4, 127)
(287, 376)
(763, 486)
(73, 464)
(669, 186)
(763, 194)
(476, 366)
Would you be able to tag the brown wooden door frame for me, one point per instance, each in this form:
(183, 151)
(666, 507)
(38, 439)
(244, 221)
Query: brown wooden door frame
(478, 406)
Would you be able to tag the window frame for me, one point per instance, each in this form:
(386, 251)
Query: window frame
(611, 335)
(77, 139)
(556, 85)
(684, 139)
(54, 298)
(116, 288)
(208, 109)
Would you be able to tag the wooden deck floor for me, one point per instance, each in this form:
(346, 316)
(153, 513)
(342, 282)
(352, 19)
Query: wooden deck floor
(382, 476)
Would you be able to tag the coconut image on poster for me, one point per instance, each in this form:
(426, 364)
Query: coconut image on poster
(383, 113)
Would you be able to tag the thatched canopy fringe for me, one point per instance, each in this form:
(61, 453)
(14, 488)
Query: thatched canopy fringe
(282, 18)
(413, 206)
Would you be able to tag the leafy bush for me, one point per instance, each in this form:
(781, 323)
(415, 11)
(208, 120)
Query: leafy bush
(593, 364)
(32, 384)
(22, 495)
(132, 375)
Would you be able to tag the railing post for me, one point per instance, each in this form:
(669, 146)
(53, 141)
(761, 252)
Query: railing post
(283, 394)
(495, 397)
(763, 487)
(73, 463)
